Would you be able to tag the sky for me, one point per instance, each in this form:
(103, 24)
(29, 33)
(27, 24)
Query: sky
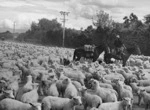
(23, 12)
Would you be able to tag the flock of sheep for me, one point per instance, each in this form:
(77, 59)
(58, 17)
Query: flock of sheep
(45, 78)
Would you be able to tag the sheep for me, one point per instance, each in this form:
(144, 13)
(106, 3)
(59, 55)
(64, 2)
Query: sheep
(70, 90)
(114, 76)
(108, 82)
(45, 83)
(14, 84)
(32, 96)
(128, 76)
(77, 84)
(11, 104)
(90, 100)
(60, 87)
(146, 98)
(107, 95)
(143, 82)
(124, 85)
(74, 74)
(28, 86)
(25, 72)
(6, 94)
(51, 102)
(124, 92)
(125, 104)
(134, 86)
(140, 75)
(52, 90)
(104, 85)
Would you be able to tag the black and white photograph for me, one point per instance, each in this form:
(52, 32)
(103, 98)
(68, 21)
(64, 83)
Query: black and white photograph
(74, 54)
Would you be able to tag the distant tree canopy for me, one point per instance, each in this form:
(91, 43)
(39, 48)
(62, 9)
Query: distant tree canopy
(133, 32)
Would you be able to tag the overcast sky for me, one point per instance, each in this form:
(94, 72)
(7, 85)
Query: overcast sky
(23, 12)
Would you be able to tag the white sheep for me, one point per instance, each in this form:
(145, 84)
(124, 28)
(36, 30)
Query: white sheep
(26, 88)
(51, 102)
(70, 90)
(124, 92)
(14, 84)
(52, 90)
(106, 85)
(134, 86)
(107, 95)
(125, 104)
(74, 74)
(143, 82)
(146, 98)
(113, 76)
(6, 94)
(90, 100)
(32, 96)
(124, 85)
(127, 76)
(11, 104)
(77, 84)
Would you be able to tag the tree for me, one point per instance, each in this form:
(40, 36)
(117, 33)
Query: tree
(34, 27)
(103, 20)
(132, 22)
(147, 19)
(126, 21)
(47, 25)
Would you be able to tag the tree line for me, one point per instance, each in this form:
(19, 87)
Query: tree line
(132, 31)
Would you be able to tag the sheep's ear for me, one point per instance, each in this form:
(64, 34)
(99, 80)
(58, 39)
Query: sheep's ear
(124, 98)
(117, 79)
(32, 104)
(138, 84)
(143, 90)
(80, 89)
(83, 88)
(74, 98)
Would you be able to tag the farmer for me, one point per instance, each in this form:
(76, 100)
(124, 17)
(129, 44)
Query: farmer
(119, 46)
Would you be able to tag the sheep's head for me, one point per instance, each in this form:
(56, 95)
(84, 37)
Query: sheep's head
(133, 80)
(141, 76)
(93, 108)
(35, 106)
(107, 71)
(35, 86)
(126, 69)
(120, 83)
(141, 91)
(127, 101)
(95, 84)
(66, 81)
(77, 100)
(90, 83)
(97, 75)
(115, 81)
(52, 77)
(83, 90)
(29, 78)
(8, 94)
